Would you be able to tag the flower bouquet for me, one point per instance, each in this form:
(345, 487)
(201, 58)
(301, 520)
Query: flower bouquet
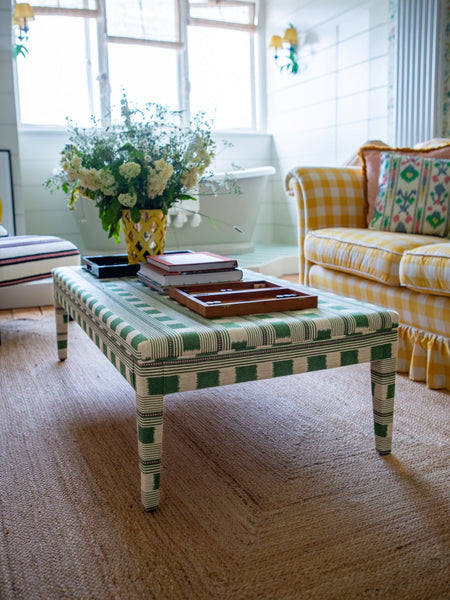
(149, 161)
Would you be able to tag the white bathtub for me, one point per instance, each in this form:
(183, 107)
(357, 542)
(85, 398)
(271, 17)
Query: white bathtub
(234, 216)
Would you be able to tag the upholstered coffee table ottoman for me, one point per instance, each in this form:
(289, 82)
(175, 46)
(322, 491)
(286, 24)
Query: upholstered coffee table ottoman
(162, 347)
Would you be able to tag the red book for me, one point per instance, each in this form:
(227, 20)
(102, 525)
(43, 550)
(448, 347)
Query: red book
(190, 261)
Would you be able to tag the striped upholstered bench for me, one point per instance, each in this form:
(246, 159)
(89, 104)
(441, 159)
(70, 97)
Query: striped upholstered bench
(26, 262)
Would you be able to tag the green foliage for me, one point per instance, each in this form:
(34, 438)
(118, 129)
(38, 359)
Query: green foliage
(19, 50)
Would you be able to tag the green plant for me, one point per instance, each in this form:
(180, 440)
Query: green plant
(148, 161)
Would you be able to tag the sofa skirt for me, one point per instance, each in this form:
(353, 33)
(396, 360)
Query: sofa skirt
(424, 332)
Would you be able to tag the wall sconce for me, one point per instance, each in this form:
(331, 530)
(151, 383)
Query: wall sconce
(288, 42)
(23, 13)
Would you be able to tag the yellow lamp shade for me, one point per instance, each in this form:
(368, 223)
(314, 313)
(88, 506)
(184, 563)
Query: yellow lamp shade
(290, 36)
(23, 10)
(22, 13)
(276, 42)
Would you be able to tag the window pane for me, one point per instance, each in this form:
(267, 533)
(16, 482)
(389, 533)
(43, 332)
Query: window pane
(220, 75)
(91, 4)
(54, 78)
(155, 20)
(146, 73)
(234, 13)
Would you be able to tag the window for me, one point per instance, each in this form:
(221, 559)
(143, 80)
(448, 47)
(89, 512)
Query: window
(189, 55)
(56, 79)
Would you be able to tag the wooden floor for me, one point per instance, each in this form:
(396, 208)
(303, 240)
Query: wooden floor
(26, 313)
(40, 312)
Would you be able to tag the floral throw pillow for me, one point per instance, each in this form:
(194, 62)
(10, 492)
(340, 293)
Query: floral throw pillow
(414, 195)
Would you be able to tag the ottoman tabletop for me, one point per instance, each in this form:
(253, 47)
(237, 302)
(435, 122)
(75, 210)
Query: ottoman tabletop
(156, 327)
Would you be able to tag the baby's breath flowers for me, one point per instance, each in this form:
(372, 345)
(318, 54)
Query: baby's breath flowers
(149, 161)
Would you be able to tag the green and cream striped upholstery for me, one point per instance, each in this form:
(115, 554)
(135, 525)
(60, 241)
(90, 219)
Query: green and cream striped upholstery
(162, 347)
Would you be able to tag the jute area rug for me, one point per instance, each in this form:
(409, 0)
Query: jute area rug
(270, 490)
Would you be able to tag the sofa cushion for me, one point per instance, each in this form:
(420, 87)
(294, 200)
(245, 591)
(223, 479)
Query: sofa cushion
(26, 258)
(370, 155)
(417, 310)
(427, 269)
(414, 195)
(370, 254)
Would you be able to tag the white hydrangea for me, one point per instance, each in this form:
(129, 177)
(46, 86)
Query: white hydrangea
(190, 178)
(72, 174)
(130, 170)
(76, 162)
(156, 184)
(108, 183)
(128, 200)
(158, 177)
(164, 168)
(90, 178)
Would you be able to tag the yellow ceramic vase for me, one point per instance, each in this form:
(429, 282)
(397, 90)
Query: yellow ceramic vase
(148, 236)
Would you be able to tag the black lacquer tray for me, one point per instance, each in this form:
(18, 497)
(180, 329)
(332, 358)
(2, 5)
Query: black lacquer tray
(113, 265)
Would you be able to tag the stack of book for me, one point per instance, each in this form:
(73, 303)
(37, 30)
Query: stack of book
(187, 267)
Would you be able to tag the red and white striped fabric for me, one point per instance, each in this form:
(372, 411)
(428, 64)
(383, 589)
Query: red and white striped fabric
(25, 258)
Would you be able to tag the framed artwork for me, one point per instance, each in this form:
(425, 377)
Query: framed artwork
(6, 192)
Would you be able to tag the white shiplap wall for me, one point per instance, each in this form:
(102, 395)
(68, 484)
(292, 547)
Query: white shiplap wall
(8, 120)
(45, 213)
(339, 101)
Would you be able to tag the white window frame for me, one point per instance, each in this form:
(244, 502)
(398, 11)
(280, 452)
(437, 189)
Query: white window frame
(250, 28)
(184, 21)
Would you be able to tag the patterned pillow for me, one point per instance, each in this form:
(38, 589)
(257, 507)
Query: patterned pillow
(414, 195)
(370, 155)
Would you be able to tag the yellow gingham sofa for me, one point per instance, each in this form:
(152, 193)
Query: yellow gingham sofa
(408, 273)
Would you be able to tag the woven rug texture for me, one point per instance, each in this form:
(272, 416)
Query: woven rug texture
(270, 489)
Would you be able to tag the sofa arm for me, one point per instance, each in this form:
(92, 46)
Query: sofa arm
(326, 197)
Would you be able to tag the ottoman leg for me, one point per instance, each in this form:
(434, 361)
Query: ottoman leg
(149, 431)
(383, 392)
(62, 318)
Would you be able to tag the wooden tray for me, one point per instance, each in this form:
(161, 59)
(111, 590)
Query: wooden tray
(241, 298)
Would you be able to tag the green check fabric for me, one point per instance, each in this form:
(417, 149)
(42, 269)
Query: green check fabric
(162, 347)
(158, 327)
